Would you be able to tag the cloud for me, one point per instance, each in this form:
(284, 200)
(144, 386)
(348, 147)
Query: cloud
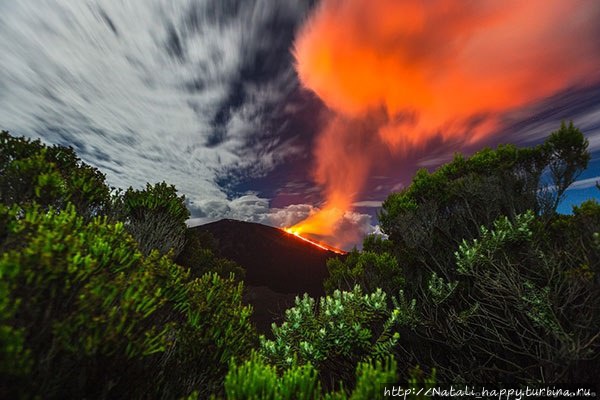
(533, 124)
(151, 90)
(367, 203)
(430, 65)
(585, 183)
(399, 75)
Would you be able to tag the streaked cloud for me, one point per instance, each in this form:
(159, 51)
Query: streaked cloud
(150, 90)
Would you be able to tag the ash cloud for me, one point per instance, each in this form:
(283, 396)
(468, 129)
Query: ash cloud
(410, 73)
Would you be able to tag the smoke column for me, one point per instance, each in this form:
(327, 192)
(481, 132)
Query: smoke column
(405, 72)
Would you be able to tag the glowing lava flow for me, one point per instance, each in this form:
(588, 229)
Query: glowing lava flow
(322, 246)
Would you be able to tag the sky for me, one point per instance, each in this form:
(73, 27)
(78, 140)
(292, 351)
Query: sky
(277, 111)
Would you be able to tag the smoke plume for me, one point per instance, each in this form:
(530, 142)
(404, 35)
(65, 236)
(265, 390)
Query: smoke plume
(402, 73)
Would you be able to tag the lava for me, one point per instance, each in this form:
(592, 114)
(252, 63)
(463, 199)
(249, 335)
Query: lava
(320, 245)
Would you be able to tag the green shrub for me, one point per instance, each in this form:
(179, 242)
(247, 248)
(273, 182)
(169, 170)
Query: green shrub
(427, 221)
(49, 176)
(525, 307)
(85, 314)
(367, 269)
(155, 217)
(256, 379)
(346, 328)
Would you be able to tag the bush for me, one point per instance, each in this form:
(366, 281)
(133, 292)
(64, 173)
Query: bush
(155, 217)
(85, 314)
(524, 308)
(49, 176)
(346, 328)
(367, 269)
(428, 220)
(256, 379)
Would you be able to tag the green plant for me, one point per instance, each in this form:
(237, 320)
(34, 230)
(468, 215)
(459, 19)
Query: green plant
(258, 380)
(525, 307)
(427, 221)
(346, 328)
(50, 176)
(367, 269)
(85, 314)
(155, 217)
(255, 379)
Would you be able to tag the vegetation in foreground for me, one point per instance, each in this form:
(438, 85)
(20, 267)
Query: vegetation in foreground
(104, 294)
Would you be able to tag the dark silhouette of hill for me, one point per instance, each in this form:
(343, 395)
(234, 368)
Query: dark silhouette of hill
(271, 257)
(279, 266)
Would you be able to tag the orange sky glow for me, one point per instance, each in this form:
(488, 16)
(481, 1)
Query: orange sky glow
(430, 67)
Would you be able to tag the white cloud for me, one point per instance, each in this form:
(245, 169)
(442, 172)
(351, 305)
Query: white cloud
(585, 183)
(136, 86)
(582, 109)
(368, 203)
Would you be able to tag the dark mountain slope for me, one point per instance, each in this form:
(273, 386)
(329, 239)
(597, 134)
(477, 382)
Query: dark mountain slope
(273, 258)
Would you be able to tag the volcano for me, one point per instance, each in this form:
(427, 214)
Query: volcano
(279, 265)
(279, 260)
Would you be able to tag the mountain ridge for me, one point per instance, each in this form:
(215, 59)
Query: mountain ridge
(279, 266)
(271, 257)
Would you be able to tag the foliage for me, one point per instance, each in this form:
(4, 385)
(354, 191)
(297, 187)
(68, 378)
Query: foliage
(524, 308)
(217, 329)
(419, 382)
(346, 327)
(377, 244)
(85, 314)
(576, 235)
(31, 172)
(566, 152)
(155, 217)
(256, 379)
(428, 220)
(502, 288)
(49, 176)
(372, 376)
(367, 269)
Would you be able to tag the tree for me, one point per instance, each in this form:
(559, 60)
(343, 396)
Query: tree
(155, 216)
(428, 220)
(502, 288)
(49, 176)
(567, 155)
(31, 172)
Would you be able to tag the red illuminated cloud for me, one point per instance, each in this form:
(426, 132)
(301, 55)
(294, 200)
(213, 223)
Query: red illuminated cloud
(431, 66)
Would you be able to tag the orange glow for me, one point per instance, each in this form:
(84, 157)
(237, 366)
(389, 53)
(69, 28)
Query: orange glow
(322, 246)
(430, 67)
